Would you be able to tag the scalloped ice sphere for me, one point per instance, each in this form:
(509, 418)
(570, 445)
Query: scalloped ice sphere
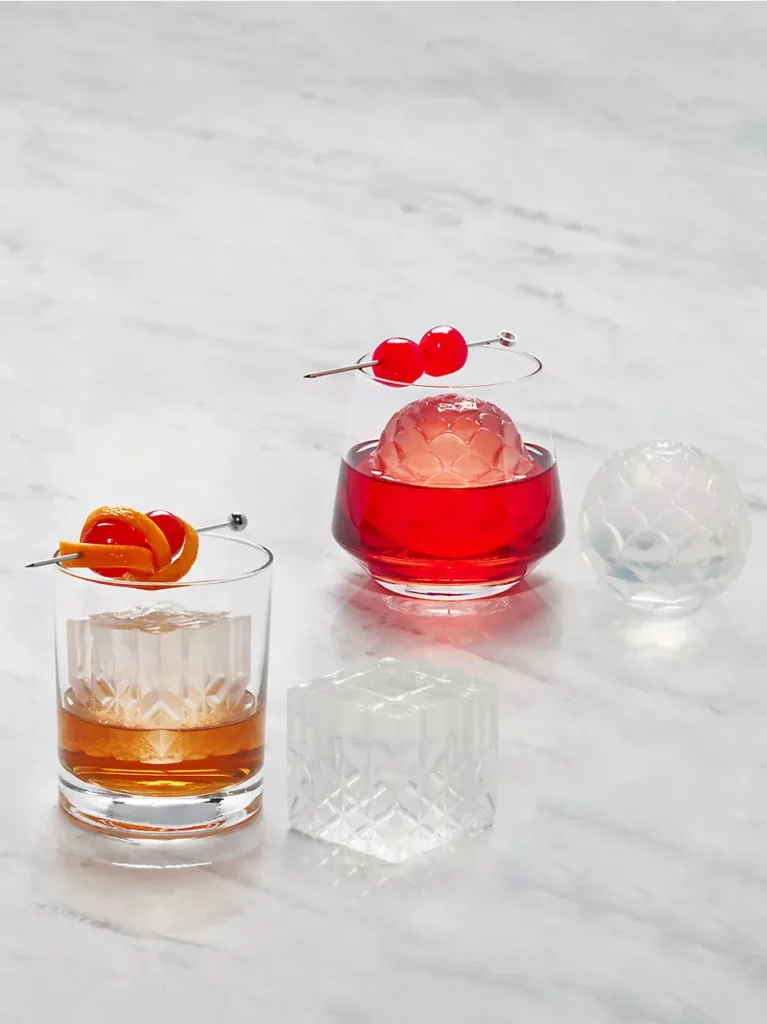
(665, 527)
(451, 441)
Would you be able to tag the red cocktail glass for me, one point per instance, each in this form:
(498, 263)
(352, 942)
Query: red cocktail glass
(449, 487)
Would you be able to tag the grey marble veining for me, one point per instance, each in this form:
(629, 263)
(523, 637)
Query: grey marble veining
(201, 202)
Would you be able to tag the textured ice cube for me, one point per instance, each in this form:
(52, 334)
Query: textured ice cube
(161, 667)
(665, 526)
(392, 758)
(451, 441)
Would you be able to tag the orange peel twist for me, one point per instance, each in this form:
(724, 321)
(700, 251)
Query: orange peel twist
(151, 564)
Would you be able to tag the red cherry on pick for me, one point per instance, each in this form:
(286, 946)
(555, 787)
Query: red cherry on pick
(114, 533)
(171, 526)
(399, 361)
(444, 351)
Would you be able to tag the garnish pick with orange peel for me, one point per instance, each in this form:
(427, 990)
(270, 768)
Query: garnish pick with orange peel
(402, 361)
(118, 561)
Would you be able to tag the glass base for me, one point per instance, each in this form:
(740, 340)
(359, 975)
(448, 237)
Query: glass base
(447, 591)
(145, 817)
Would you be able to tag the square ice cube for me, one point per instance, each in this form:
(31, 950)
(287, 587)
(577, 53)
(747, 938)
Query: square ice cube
(160, 667)
(392, 758)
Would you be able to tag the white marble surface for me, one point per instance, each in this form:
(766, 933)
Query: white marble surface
(200, 202)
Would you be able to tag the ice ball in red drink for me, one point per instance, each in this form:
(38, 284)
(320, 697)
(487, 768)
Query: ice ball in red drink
(451, 441)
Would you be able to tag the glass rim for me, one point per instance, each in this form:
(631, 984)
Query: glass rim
(535, 368)
(268, 561)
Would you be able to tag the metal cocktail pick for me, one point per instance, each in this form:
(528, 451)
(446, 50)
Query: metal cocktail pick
(236, 521)
(504, 338)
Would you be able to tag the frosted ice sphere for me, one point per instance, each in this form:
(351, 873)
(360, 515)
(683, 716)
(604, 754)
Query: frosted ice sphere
(665, 527)
(451, 441)
(160, 668)
(392, 758)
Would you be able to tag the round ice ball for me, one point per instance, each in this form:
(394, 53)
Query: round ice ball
(665, 527)
(452, 441)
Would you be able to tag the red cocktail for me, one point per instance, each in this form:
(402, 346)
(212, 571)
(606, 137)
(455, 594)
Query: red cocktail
(450, 500)
(447, 540)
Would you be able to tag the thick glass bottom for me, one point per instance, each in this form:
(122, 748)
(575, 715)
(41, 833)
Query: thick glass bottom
(145, 817)
(447, 591)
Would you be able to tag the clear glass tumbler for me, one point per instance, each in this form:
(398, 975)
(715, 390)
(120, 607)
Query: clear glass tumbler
(448, 487)
(162, 694)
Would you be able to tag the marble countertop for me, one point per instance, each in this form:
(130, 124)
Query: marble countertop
(201, 202)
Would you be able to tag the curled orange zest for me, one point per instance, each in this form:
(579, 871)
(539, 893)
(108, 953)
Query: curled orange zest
(174, 570)
(109, 556)
(152, 564)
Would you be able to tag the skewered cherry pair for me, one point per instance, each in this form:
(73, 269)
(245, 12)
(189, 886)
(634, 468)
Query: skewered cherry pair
(441, 351)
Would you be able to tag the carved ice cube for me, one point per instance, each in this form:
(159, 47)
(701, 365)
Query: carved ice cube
(665, 527)
(160, 667)
(392, 759)
(451, 441)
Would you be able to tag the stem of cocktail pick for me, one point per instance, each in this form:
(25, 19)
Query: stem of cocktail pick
(236, 521)
(504, 338)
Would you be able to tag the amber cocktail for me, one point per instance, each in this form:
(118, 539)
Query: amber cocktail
(162, 694)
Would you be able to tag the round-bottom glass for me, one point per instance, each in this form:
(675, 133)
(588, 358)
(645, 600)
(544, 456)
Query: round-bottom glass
(453, 492)
(162, 695)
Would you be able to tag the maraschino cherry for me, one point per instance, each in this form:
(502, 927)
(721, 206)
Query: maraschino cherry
(171, 526)
(114, 533)
(444, 351)
(400, 361)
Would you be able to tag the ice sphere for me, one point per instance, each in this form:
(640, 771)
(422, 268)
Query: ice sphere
(392, 758)
(451, 441)
(665, 527)
(160, 668)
